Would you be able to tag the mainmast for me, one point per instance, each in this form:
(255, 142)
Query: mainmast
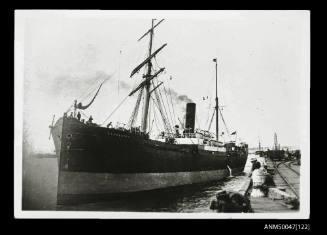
(217, 107)
(147, 85)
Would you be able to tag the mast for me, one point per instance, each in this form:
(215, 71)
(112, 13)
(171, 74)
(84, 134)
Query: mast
(217, 127)
(147, 85)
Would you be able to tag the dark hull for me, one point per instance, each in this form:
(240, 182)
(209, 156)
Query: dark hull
(97, 160)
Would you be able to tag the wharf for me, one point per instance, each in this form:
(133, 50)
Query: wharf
(286, 176)
(263, 204)
(268, 205)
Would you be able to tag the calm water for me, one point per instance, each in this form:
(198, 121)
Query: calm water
(40, 186)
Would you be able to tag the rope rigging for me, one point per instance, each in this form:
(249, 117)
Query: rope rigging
(136, 109)
(149, 116)
(162, 119)
(164, 108)
(119, 71)
(208, 115)
(115, 109)
(134, 113)
(160, 94)
(171, 117)
(213, 114)
(151, 126)
(158, 105)
(168, 116)
(172, 103)
(155, 117)
(84, 114)
(222, 117)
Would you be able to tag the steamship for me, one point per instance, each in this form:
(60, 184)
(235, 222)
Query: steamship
(100, 160)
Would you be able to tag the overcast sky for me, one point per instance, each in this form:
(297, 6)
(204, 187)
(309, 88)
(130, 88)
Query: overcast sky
(263, 67)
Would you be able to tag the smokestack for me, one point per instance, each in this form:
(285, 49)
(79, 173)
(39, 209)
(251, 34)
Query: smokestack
(190, 117)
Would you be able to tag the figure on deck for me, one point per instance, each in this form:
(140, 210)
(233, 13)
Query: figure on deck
(79, 116)
(90, 120)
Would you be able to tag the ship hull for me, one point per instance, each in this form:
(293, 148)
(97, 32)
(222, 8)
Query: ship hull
(83, 185)
(102, 161)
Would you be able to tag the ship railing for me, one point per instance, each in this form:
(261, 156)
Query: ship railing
(135, 130)
(189, 135)
(121, 126)
(204, 133)
(164, 135)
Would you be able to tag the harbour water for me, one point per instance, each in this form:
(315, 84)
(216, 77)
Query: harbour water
(40, 187)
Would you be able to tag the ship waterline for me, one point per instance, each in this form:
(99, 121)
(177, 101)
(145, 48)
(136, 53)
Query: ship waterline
(78, 183)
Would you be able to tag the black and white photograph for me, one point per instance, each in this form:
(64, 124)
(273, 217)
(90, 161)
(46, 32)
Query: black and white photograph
(162, 114)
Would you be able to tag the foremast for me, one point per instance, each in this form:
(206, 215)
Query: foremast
(147, 85)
